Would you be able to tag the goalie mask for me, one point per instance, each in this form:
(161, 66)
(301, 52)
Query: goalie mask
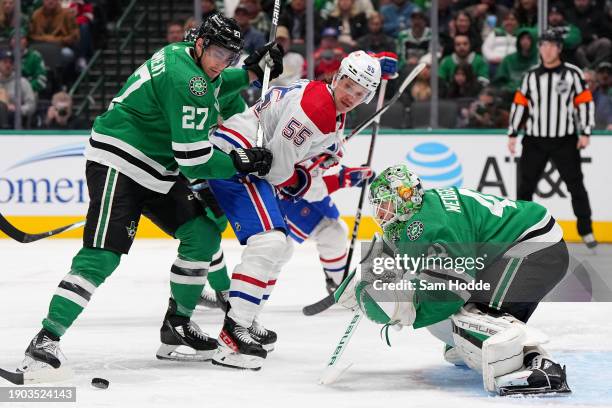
(395, 196)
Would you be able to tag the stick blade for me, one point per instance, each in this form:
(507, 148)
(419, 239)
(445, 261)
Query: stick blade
(333, 373)
(318, 307)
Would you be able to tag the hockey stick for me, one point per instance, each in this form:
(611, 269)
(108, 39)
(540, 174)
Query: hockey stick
(266, 77)
(411, 77)
(328, 301)
(23, 237)
(335, 368)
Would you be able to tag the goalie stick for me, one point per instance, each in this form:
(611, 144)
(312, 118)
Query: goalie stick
(335, 367)
(328, 301)
(266, 77)
(23, 237)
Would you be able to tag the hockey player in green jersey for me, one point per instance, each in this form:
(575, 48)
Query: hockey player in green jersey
(155, 127)
(470, 267)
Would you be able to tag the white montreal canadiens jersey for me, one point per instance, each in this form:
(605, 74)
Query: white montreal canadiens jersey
(299, 122)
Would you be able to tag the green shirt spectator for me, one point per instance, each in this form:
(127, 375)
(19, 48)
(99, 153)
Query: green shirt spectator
(512, 68)
(463, 53)
(32, 64)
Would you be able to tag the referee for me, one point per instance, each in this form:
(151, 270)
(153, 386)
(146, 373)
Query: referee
(551, 94)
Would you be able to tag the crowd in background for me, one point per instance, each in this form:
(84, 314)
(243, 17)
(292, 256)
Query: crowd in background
(57, 38)
(485, 48)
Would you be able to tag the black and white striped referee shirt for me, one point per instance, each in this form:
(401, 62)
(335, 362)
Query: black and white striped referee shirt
(550, 98)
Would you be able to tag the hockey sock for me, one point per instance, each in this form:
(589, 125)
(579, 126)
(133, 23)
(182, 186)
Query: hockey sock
(90, 268)
(217, 273)
(199, 241)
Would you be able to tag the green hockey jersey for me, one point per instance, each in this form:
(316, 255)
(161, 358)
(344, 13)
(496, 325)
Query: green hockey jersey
(466, 231)
(158, 123)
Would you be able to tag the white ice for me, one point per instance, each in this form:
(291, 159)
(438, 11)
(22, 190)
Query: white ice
(117, 336)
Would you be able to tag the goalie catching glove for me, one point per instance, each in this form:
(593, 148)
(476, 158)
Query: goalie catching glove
(270, 54)
(256, 160)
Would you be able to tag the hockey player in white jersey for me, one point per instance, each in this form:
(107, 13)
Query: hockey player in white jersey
(299, 122)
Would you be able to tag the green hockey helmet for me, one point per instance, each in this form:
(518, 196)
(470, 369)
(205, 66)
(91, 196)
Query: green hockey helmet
(395, 196)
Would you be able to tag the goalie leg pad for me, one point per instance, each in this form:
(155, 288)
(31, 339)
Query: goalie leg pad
(493, 346)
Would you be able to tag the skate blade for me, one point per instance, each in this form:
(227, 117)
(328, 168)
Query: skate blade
(228, 358)
(183, 353)
(268, 347)
(539, 392)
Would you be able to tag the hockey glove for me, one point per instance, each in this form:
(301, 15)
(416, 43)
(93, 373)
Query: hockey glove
(354, 176)
(388, 64)
(270, 54)
(333, 155)
(201, 191)
(254, 160)
(300, 186)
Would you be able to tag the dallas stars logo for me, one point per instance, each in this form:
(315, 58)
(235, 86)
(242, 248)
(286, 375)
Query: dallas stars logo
(197, 86)
(415, 229)
(131, 230)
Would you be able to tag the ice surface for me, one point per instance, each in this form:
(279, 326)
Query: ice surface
(117, 336)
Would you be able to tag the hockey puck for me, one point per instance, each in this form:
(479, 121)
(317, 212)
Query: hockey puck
(99, 383)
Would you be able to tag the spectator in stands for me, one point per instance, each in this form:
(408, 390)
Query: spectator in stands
(294, 18)
(463, 83)
(527, 13)
(487, 15)
(570, 33)
(8, 85)
(445, 16)
(293, 63)
(59, 115)
(350, 23)
(329, 48)
(376, 40)
(174, 32)
(32, 65)
(209, 7)
(460, 24)
(604, 76)
(53, 24)
(509, 73)
(463, 53)
(396, 15)
(83, 13)
(253, 39)
(487, 111)
(414, 40)
(328, 56)
(7, 11)
(420, 91)
(325, 7)
(259, 19)
(599, 84)
(501, 42)
(596, 32)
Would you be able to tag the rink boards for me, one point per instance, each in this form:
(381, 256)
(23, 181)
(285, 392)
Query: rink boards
(42, 180)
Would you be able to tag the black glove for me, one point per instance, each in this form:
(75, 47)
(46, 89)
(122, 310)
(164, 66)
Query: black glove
(255, 160)
(271, 53)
